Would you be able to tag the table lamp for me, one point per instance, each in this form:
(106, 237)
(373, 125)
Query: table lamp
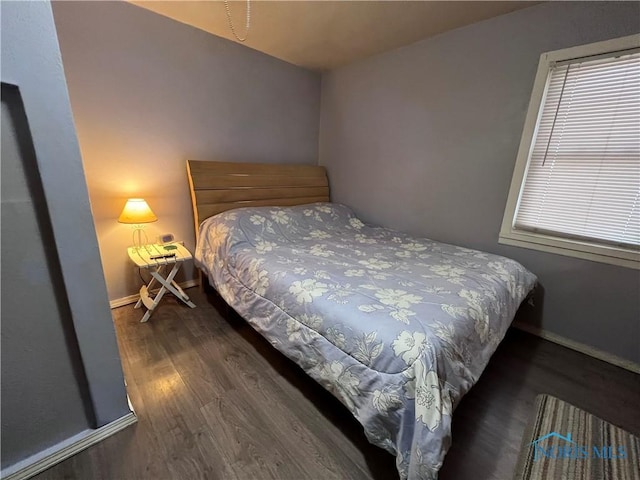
(137, 212)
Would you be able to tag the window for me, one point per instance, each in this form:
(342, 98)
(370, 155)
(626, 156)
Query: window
(576, 184)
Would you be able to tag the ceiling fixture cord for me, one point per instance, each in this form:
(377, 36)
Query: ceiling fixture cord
(230, 21)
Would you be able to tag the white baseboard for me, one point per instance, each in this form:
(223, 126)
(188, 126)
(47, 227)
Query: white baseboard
(39, 462)
(121, 302)
(579, 347)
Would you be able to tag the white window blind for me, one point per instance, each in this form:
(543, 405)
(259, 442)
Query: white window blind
(583, 176)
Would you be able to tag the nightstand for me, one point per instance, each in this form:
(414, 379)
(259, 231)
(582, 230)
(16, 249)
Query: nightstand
(163, 264)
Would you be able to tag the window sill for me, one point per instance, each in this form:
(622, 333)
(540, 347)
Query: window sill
(571, 248)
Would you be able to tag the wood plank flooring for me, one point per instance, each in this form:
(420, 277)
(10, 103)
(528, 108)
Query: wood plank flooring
(215, 401)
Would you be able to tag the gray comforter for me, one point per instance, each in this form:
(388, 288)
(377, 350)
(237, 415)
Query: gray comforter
(396, 327)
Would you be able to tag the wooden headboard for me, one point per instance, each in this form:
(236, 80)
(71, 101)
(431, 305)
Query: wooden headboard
(220, 186)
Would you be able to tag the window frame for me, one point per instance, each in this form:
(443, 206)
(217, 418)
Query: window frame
(547, 242)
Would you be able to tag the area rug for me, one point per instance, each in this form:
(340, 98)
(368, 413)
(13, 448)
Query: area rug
(563, 442)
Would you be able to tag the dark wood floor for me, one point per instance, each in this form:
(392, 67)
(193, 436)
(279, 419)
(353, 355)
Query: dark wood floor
(215, 400)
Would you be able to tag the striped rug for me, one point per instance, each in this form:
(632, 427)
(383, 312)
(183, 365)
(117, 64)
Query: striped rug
(566, 443)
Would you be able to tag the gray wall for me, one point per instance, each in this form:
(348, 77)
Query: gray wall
(39, 377)
(61, 370)
(424, 139)
(148, 93)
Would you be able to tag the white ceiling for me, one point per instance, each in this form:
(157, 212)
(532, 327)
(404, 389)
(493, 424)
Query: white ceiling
(322, 35)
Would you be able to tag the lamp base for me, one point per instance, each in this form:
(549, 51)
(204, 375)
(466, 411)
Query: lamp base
(138, 234)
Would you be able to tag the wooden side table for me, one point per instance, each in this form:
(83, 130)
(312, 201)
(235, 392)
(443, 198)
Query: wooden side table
(158, 260)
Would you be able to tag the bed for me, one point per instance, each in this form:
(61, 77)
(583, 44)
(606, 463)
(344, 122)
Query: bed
(398, 328)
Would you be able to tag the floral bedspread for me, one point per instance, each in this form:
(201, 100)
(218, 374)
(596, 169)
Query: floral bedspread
(398, 328)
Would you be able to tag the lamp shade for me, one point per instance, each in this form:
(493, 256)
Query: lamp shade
(136, 211)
